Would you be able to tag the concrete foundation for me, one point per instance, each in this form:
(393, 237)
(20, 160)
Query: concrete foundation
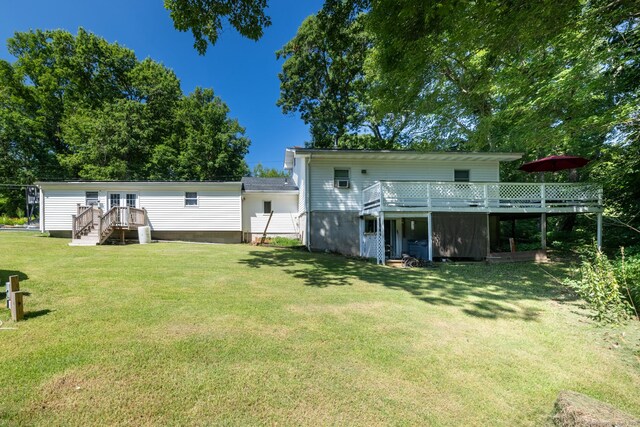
(335, 231)
(187, 236)
(199, 236)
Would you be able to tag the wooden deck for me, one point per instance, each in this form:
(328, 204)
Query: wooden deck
(496, 197)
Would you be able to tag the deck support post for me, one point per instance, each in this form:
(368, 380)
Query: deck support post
(599, 231)
(488, 236)
(543, 231)
(430, 237)
(381, 243)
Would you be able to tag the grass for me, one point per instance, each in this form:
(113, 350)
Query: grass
(180, 334)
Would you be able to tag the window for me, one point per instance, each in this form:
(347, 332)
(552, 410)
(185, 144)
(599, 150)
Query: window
(132, 200)
(266, 206)
(341, 178)
(191, 198)
(91, 198)
(370, 226)
(461, 175)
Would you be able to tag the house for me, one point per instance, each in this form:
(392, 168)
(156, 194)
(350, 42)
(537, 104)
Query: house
(382, 204)
(272, 201)
(369, 203)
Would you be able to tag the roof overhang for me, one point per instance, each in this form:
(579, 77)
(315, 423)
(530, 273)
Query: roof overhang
(139, 185)
(398, 155)
(291, 192)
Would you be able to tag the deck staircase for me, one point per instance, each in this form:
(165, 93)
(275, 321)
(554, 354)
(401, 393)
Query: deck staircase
(91, 227)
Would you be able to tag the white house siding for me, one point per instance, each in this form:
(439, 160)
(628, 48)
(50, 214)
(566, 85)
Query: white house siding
(216, 210)
(325, 197)
(59, 206)
(298, 176)
(284, 221)
(219, 206)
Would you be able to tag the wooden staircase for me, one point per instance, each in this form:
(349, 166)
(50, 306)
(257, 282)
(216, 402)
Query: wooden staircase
(91, 227)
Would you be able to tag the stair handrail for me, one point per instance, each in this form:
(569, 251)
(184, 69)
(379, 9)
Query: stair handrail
(107, 222)
(81, 221)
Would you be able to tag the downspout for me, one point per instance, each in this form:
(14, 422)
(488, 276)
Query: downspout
(307, 200)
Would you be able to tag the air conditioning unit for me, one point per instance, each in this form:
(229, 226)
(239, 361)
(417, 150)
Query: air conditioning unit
(342, 183)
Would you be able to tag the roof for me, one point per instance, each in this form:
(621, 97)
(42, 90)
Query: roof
(268, 184)
(126, 185)
(396, 155)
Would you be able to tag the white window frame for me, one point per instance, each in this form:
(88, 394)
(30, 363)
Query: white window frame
(336, 181)
(86, 198)
(196, 198)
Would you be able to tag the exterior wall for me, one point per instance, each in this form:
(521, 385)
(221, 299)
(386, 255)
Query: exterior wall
(285, 211)
(335, 231)
(187, 236)
(216, 210)
(298, 176)
(199, 236)
(59, 205)
(324, 196)
(302, 226)
(460, 235)
(219, 209)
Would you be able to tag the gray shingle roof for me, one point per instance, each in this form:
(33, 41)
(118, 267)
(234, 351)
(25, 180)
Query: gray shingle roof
(268, 184)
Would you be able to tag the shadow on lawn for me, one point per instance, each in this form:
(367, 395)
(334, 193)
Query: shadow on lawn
(479, 290)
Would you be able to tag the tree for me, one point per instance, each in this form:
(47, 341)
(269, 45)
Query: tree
(323, 79)
(79, 107)
(205, 18)
(211, 146)
(262, 172)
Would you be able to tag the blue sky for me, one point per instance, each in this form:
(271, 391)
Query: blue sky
(242, 72)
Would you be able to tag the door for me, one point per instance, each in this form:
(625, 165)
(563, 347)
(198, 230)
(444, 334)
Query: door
(123, 200)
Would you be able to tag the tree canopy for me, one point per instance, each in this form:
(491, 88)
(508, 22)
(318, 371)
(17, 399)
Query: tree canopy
(78, 107)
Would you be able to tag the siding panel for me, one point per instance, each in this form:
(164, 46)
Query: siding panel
(324, 196)
(218, 210)
(284, 206)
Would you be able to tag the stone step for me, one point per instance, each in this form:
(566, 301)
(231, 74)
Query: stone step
(83, 242)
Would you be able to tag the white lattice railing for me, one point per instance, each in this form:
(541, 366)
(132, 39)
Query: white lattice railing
(503, 195)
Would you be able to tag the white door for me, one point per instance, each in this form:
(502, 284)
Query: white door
(123, 200)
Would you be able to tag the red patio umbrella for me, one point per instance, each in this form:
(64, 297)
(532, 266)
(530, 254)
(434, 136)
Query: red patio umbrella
(554, 163)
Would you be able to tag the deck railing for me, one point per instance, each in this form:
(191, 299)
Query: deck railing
(82, 221)
(480, 196)
(121, 217)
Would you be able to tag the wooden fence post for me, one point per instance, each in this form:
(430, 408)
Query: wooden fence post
(13, 285)
(17, 309)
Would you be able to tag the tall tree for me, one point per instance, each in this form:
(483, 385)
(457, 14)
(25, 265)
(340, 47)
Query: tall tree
(211, 146)
(80, 107)
(323, 79)
(205, 18)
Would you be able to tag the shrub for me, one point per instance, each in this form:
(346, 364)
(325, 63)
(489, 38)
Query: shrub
(598, 285)
(284, 241)
(627, 270)
(5, 220)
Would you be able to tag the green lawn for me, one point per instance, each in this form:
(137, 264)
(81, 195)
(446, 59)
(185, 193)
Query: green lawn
(175, 334)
